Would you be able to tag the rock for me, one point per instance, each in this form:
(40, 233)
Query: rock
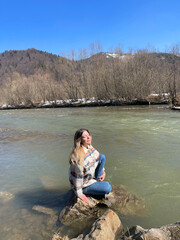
(57, 237)
(45, 210)
(128, 204)
(168, 232)
(119, 199)
(173, 229)
(139, 233)
(78, 211)
(6, 196)
(104, 228)
(53, 214)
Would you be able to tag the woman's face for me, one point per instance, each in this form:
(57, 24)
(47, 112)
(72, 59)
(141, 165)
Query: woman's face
(85, 139)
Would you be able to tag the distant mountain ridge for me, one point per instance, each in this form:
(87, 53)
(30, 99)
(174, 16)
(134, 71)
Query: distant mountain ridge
(31, 60)
(32, 76)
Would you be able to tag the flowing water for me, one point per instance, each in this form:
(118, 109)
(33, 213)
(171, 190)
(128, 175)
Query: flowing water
(141, 144)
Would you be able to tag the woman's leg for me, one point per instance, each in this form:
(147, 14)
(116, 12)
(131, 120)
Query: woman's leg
(98, 188)
(100, 166)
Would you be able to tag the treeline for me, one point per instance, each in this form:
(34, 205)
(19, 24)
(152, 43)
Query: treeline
(33, 76)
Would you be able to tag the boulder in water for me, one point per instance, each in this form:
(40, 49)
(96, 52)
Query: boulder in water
(168, 232)
(106, 227)
(79, 210)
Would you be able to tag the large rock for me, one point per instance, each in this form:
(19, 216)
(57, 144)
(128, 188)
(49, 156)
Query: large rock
(78, 211)
(104, 228)
(168, 232)
(124, 202)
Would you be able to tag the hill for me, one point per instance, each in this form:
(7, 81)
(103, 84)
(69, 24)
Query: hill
(30, 61)
(31, 76)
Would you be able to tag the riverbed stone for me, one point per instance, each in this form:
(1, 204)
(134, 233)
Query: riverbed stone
(168, 232)
(127, 203)
(53, 214)
(6, 196)
(45, 210)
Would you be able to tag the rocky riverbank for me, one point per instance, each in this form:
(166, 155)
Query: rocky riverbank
(76, 217)
(109, 227)
(101, 219)
(92, 102)
(107, 224)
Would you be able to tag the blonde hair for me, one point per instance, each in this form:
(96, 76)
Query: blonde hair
(77, 155)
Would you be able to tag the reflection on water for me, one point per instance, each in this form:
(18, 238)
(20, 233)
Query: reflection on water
(141, 144)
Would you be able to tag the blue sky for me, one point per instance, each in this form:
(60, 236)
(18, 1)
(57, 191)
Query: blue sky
(57, 26)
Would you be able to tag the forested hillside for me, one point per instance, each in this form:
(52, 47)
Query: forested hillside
(32, 76)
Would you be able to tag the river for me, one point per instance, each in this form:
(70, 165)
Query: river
(141, 144)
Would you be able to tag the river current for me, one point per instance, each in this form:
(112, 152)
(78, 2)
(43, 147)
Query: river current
(141, 144)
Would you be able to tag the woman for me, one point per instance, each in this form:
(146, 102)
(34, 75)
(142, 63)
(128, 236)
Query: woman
(86, 172)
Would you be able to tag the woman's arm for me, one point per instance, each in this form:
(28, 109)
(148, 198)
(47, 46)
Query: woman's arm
(77, 177)
(84, 198)
(101, 178)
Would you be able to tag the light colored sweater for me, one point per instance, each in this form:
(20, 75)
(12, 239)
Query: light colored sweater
(81, 177)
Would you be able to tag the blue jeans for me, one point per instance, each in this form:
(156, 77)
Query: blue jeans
(100, 166)
(98, 188)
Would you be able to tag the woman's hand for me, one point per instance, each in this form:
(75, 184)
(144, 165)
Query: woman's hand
(84, 198)
(100, 179)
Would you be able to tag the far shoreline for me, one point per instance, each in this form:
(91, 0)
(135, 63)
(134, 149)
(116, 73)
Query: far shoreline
(81, 104)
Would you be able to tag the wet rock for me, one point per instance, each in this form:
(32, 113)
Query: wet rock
(119, 199)
(168, 232)
(57, 237)
(47, 211)
(78, 211)
(106, 227)
(6, 196)
(126, 203)
(173, 229)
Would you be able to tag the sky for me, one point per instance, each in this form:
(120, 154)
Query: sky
(57, 26)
